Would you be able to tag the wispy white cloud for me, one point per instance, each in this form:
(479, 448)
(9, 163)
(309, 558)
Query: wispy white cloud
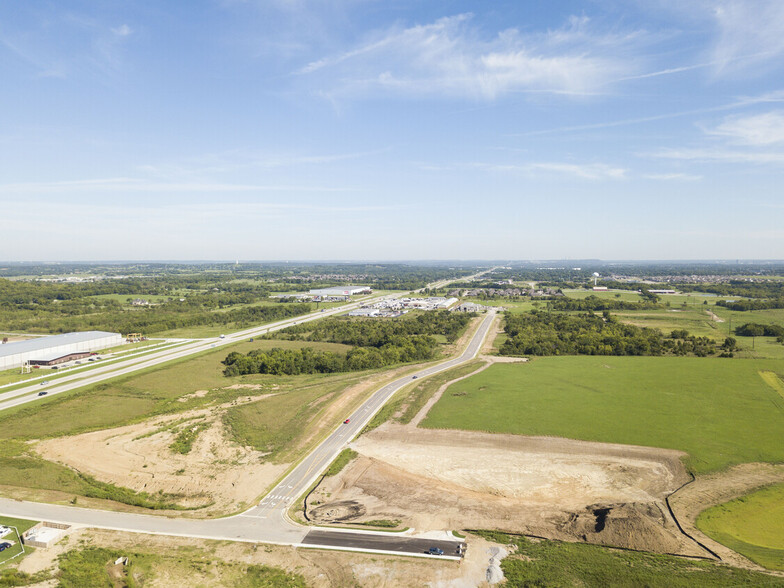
(757, 130)
(450, 57)
(142, 185)
(721, 155)
(673, 176)
(587, 171)
(122, 31)
(742, 102)
(749, 33)
(238, 159)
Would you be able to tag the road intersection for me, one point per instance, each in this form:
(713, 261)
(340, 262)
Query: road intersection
(267, 522)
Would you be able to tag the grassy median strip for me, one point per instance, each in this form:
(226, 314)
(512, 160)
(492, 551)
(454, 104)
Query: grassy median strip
(341, 461)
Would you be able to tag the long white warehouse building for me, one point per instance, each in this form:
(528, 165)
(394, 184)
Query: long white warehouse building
(18, 353)
(340, 291)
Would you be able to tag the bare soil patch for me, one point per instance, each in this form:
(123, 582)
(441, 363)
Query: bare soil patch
(714, 316)
(216, 474)
(712, 489)
(551, 487)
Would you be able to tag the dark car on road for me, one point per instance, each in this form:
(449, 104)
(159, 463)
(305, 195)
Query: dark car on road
(435, 551)
(4, 545)
(43, 393)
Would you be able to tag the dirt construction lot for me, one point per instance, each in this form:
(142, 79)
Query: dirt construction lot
(550, 487)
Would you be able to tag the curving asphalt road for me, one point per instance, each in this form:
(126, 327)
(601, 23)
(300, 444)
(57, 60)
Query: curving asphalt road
(268, 521)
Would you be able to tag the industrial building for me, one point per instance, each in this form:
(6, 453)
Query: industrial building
(48, 350)
(341, 291)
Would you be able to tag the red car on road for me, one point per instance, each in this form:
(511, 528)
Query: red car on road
(347, 421)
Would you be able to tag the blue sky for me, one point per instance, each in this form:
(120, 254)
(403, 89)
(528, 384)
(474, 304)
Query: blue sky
(369, 129)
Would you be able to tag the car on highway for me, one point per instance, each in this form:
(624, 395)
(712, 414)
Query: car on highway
(347, 421)
(43, 393)
(414, 377)
(4, 545)
(44, 383)
(223, 336)
(435, 551)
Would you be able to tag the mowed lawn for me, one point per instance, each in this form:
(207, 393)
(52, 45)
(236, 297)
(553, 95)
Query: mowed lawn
(752, 525)
(720, 411)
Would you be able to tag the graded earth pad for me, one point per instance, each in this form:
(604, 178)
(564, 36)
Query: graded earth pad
(216, 473)
(551, 487)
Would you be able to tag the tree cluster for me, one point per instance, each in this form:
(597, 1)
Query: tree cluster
(378, 332)
(759, 330)
(743, 305)
(376, 343)
(540, 333)
(292, 362)
(596, 303)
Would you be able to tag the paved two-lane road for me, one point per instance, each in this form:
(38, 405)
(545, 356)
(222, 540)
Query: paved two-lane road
(267, 522)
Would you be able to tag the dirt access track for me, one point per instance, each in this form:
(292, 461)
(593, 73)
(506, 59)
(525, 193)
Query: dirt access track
(550, 487)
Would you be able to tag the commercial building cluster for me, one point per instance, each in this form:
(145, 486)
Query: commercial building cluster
(399, 306)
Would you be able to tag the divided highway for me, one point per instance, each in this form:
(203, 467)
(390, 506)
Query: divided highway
(127, 366)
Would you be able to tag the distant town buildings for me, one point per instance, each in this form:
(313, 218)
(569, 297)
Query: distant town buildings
(398, 306)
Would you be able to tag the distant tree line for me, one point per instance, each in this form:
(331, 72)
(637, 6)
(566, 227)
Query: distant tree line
(542, 333)
(744, 305)
(596, 303)
(759, 289)
(759, 330)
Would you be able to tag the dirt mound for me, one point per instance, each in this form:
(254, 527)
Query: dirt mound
(642, 526)
(335, 512)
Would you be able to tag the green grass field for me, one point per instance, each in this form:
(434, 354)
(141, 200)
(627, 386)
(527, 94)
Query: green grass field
(552, 563)
(720, 411)
(752, 525)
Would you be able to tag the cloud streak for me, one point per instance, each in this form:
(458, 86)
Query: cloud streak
(721, 155)
(141, 185)
(758, 130)
(448, 57)
(748, 33)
